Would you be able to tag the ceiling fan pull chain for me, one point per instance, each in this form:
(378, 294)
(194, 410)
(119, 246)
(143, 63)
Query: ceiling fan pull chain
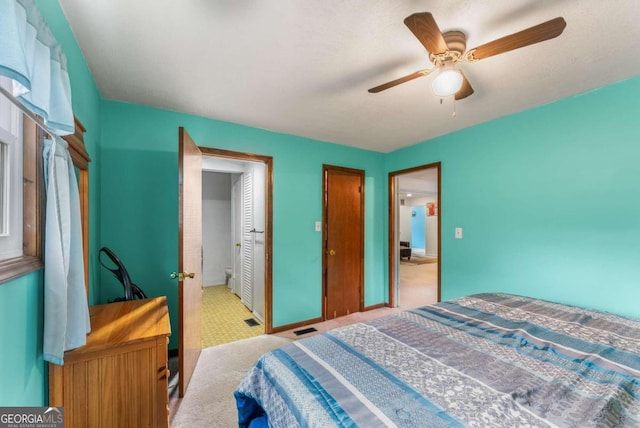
(454, 114)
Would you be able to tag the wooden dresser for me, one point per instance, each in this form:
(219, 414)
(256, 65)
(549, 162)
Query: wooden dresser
(119, 378)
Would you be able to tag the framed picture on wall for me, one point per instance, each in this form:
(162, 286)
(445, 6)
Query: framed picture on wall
(432, 208)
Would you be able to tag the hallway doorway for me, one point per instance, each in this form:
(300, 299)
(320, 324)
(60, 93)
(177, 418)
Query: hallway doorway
(414, 236)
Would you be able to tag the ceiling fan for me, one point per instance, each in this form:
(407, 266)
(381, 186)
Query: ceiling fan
(447, 49)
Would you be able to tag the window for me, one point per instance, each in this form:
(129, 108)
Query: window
(10, 179)
(20, 181)
(4, 188)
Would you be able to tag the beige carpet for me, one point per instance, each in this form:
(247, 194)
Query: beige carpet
(209, 399)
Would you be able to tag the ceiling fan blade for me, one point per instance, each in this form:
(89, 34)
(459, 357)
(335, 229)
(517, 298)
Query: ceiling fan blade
(465, 90)
(400, 80)
(424, 27)
(538, 33)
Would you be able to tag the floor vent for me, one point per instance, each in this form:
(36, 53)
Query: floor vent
(251, 322)
(304, 331)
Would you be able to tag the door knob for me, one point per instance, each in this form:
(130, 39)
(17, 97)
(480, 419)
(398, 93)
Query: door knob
(182, 275)
(332, 252)
(238, 244)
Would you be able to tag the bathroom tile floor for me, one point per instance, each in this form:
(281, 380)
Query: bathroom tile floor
(223, 317)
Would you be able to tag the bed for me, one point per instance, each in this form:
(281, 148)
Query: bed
(485, 360)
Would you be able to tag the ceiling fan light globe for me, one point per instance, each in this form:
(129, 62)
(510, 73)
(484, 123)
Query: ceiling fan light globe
(447, 83)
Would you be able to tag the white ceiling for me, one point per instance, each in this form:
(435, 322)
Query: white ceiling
(418, 183)
(304, 67)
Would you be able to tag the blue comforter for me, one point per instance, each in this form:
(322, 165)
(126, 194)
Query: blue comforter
(487, 360)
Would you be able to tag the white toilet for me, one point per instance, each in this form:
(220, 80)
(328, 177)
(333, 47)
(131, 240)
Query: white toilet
(228, 271)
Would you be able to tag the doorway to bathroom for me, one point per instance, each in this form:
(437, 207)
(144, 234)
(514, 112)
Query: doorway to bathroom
(235, 234)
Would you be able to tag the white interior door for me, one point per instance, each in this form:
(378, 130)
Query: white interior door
(235, 282)
(248, 235)
(259, 224)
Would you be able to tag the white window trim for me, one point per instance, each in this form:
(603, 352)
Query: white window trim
(11, 232)
(4, 187)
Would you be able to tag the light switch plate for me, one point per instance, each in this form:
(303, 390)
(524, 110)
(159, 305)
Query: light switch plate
(318, 226)
(458, 233)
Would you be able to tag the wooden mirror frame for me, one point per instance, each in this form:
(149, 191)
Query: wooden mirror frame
(81, 160)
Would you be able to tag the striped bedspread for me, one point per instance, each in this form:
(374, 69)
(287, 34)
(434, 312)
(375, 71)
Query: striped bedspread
(486, 360)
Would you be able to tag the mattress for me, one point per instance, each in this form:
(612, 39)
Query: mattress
(485, 360)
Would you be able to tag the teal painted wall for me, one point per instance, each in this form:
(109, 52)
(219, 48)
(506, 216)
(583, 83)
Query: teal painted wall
(140, 204)
(548, 201)
(21, 365)
(22, 370)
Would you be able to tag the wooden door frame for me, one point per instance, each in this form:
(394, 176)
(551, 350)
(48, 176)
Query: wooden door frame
(268, 244)
(361, 174)
(393, 201)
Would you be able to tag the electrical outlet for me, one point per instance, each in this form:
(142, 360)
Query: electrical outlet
(458, 233)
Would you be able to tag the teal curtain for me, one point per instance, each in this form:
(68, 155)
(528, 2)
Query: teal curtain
(66, 312)
(33, 59)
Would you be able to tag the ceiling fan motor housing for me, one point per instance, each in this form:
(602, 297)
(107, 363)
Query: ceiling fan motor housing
(457, 44)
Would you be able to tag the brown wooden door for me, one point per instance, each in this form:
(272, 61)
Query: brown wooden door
(343, 258)
(189, 257)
